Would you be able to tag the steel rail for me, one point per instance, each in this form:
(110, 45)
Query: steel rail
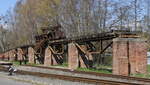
(71, 78)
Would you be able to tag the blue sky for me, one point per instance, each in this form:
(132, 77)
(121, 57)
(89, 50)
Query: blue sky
(6, 5)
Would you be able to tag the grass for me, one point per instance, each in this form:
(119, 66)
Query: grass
(103, 66)
(95, 70)
(147, 75)
(100, 69)
(17, 63)
(141, 75)
(62, 65)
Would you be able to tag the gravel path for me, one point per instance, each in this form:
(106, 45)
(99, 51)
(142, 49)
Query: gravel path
(9, 80)
(32, 80)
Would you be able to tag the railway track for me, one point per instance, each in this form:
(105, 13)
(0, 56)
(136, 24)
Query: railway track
(70, 78)
(97, 74)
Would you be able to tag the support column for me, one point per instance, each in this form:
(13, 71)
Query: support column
(19, 54)
(57, 59)
(48, 57)
(83, 58)
(31, 55)
(6, 56)
(120, 56)
(12, 55)
(138, 56)
(53, 57)
(2, 56)
(129, 56)
(73, 61)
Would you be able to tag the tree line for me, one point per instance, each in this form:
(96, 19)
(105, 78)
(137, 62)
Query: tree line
(77, 17)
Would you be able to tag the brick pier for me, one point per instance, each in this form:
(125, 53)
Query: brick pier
(129, 55)
(78, 56)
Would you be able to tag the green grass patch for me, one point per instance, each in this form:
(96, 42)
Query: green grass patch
(103, 67)
(147, 75)
(148, 68)
(33, 64)
(62, 65)
(141, 75)
(65, 64)
(95, 70)
(16, 63)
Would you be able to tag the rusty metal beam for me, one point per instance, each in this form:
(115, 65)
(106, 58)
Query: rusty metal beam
(100, 52)
(52, 50)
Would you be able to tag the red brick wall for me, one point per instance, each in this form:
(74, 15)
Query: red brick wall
(73, 61)
(19, 54)
(48, 57)
(6, 56)
(129, 56)
(141, 57)
(12, 55)
(120, 57)
(2, 55)
(31, 55)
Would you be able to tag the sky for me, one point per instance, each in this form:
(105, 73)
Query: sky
(6, 5)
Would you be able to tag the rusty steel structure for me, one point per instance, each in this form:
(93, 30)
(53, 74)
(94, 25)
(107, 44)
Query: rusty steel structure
(52, 47)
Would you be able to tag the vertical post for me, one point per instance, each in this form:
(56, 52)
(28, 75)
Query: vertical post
(12, 55)
(138, 55)
(120, 57)
(129, 55)
(31, 55)
(48, 57)
(73, 61)
(20, 55)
